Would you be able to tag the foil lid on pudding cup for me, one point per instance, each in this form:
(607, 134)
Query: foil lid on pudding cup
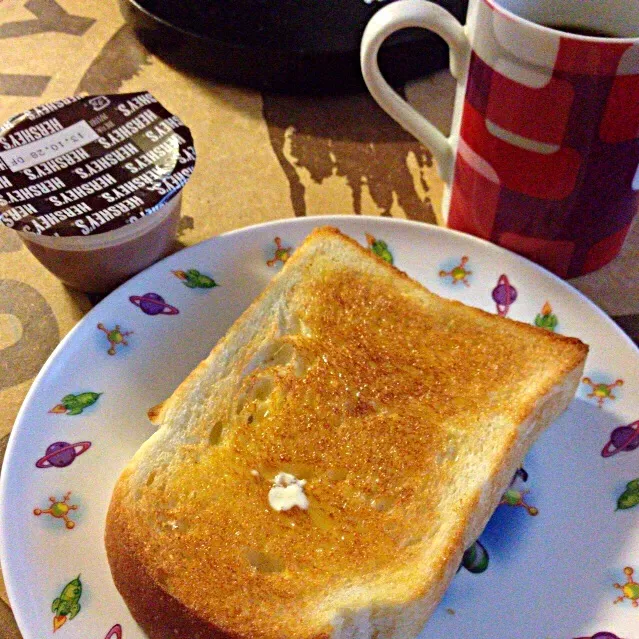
(83, 177)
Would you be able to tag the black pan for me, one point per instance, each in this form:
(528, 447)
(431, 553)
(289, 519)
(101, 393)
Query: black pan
(282, 45)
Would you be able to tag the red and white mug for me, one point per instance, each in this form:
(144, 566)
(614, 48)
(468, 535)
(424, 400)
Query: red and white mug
(544, 152)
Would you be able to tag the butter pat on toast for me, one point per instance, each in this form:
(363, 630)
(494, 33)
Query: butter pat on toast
(321, 473)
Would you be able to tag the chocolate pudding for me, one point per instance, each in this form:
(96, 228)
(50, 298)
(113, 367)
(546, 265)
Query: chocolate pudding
(93, 185)
(99, 263)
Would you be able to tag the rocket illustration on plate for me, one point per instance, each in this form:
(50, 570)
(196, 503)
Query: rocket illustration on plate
(379, 247)
(546, 318)
(629, 498)
(67, 605)
(74, 404)
(192, 278)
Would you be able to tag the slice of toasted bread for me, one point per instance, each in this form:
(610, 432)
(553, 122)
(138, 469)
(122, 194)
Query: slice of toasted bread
(405, 414)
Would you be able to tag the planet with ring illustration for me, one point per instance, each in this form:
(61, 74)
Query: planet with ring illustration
(153, 304)
(62, 454)
(504, 294)
(622, 438)
(115, 632)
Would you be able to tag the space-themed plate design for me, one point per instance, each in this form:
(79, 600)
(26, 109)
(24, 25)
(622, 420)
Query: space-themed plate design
(558, 560)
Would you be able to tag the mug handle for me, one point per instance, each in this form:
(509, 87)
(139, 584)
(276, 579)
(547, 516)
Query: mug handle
(427, 15)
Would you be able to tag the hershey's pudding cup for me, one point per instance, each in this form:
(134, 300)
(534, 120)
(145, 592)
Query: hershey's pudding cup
(93, 185)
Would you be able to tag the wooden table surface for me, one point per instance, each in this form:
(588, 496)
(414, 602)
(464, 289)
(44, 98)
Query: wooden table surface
(260, 157)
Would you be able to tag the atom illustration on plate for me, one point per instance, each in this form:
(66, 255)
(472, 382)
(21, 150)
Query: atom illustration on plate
(153, 304)
(282, 253)
(622, 438)
(115, 336)
(629, 590)
(62, 454)
(458, 273)
(59, 510)
(601, 391)
(514, 496)
(504, 294)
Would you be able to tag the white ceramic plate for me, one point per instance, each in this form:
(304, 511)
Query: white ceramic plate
(553, 575)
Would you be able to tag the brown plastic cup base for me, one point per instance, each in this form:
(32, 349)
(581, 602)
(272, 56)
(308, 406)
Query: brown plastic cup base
(101, 270)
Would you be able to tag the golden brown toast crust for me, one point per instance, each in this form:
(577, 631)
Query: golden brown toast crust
(159, 614)
(405, 413)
